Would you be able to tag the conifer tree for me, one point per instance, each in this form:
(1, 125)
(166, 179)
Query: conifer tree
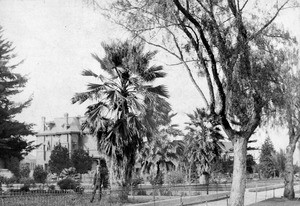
(266, 162)
(12, 131)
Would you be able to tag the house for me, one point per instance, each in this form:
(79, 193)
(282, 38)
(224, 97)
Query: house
(66, 131)
(29, 160)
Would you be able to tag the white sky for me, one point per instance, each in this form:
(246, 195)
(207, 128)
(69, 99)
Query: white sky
(56, 38)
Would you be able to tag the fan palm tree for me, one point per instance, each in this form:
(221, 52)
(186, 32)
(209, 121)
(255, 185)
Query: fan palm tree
(125, 99)
(162, 154)
(203, 144)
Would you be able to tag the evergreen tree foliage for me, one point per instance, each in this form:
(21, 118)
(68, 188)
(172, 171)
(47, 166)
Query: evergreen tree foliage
(12, 131)
(266, 164)
(82, 161)
(250, 164)
(13, 164)
(59, 159)
(39, 174)
(279, 160)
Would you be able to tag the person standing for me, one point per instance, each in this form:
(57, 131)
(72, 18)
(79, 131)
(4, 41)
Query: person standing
(97, 183)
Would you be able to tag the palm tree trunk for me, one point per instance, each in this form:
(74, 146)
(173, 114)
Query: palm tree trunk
(158, 171)
(289, 192)
(239, 172)
(128, 164)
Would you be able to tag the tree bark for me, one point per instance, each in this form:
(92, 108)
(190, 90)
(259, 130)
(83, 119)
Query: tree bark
(289, 192)
(239, 172)
(190, 172)
(128, 164)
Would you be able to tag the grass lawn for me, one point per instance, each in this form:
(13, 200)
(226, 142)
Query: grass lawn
(278, 202)
(263, 183)
(73, 200)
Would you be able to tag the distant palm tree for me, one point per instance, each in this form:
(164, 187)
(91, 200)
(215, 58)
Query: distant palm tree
(125, 99)
(162, 153)
(203, 145)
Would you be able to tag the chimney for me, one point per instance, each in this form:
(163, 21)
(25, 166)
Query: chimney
(66, 115)
(43, 123)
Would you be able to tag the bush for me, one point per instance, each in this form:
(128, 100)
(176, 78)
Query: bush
(136, 181)
(67, 183)
(27, 181)
(157, 180)
(25, 188)
(8, 181)
(51, 187)
(141, 192)
(174, 177)
(25, 171)
(39, 174)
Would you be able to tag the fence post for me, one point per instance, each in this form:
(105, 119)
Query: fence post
(266, 193)
(256, 192)
(207, 189)
(153, 195)
(273, 192)
(181, 202)
(227, 199)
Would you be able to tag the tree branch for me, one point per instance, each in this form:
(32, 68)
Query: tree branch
(210, 54)
(268, 23)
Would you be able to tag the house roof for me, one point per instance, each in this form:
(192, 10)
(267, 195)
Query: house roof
(62, 125)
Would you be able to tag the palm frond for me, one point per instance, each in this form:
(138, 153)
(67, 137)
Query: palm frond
(81, 97)
(89, 73)
(160, 90)
(153, 73)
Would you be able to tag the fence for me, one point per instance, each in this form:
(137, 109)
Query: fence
(171, 195)
(147, 194)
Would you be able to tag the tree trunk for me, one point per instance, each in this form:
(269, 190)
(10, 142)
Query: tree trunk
(128, 165)
(190, 172)
(289, 192)
(239, 172)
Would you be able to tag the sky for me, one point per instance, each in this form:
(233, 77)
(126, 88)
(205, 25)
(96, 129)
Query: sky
(56, 38)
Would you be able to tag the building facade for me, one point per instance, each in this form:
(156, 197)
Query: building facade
(67, 132)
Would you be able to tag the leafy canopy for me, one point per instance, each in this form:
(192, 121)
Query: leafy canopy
(59, 159)
(81, 161)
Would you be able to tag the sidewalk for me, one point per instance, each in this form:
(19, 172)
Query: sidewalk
(186, 200)
(221, 198)
(250, 197)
